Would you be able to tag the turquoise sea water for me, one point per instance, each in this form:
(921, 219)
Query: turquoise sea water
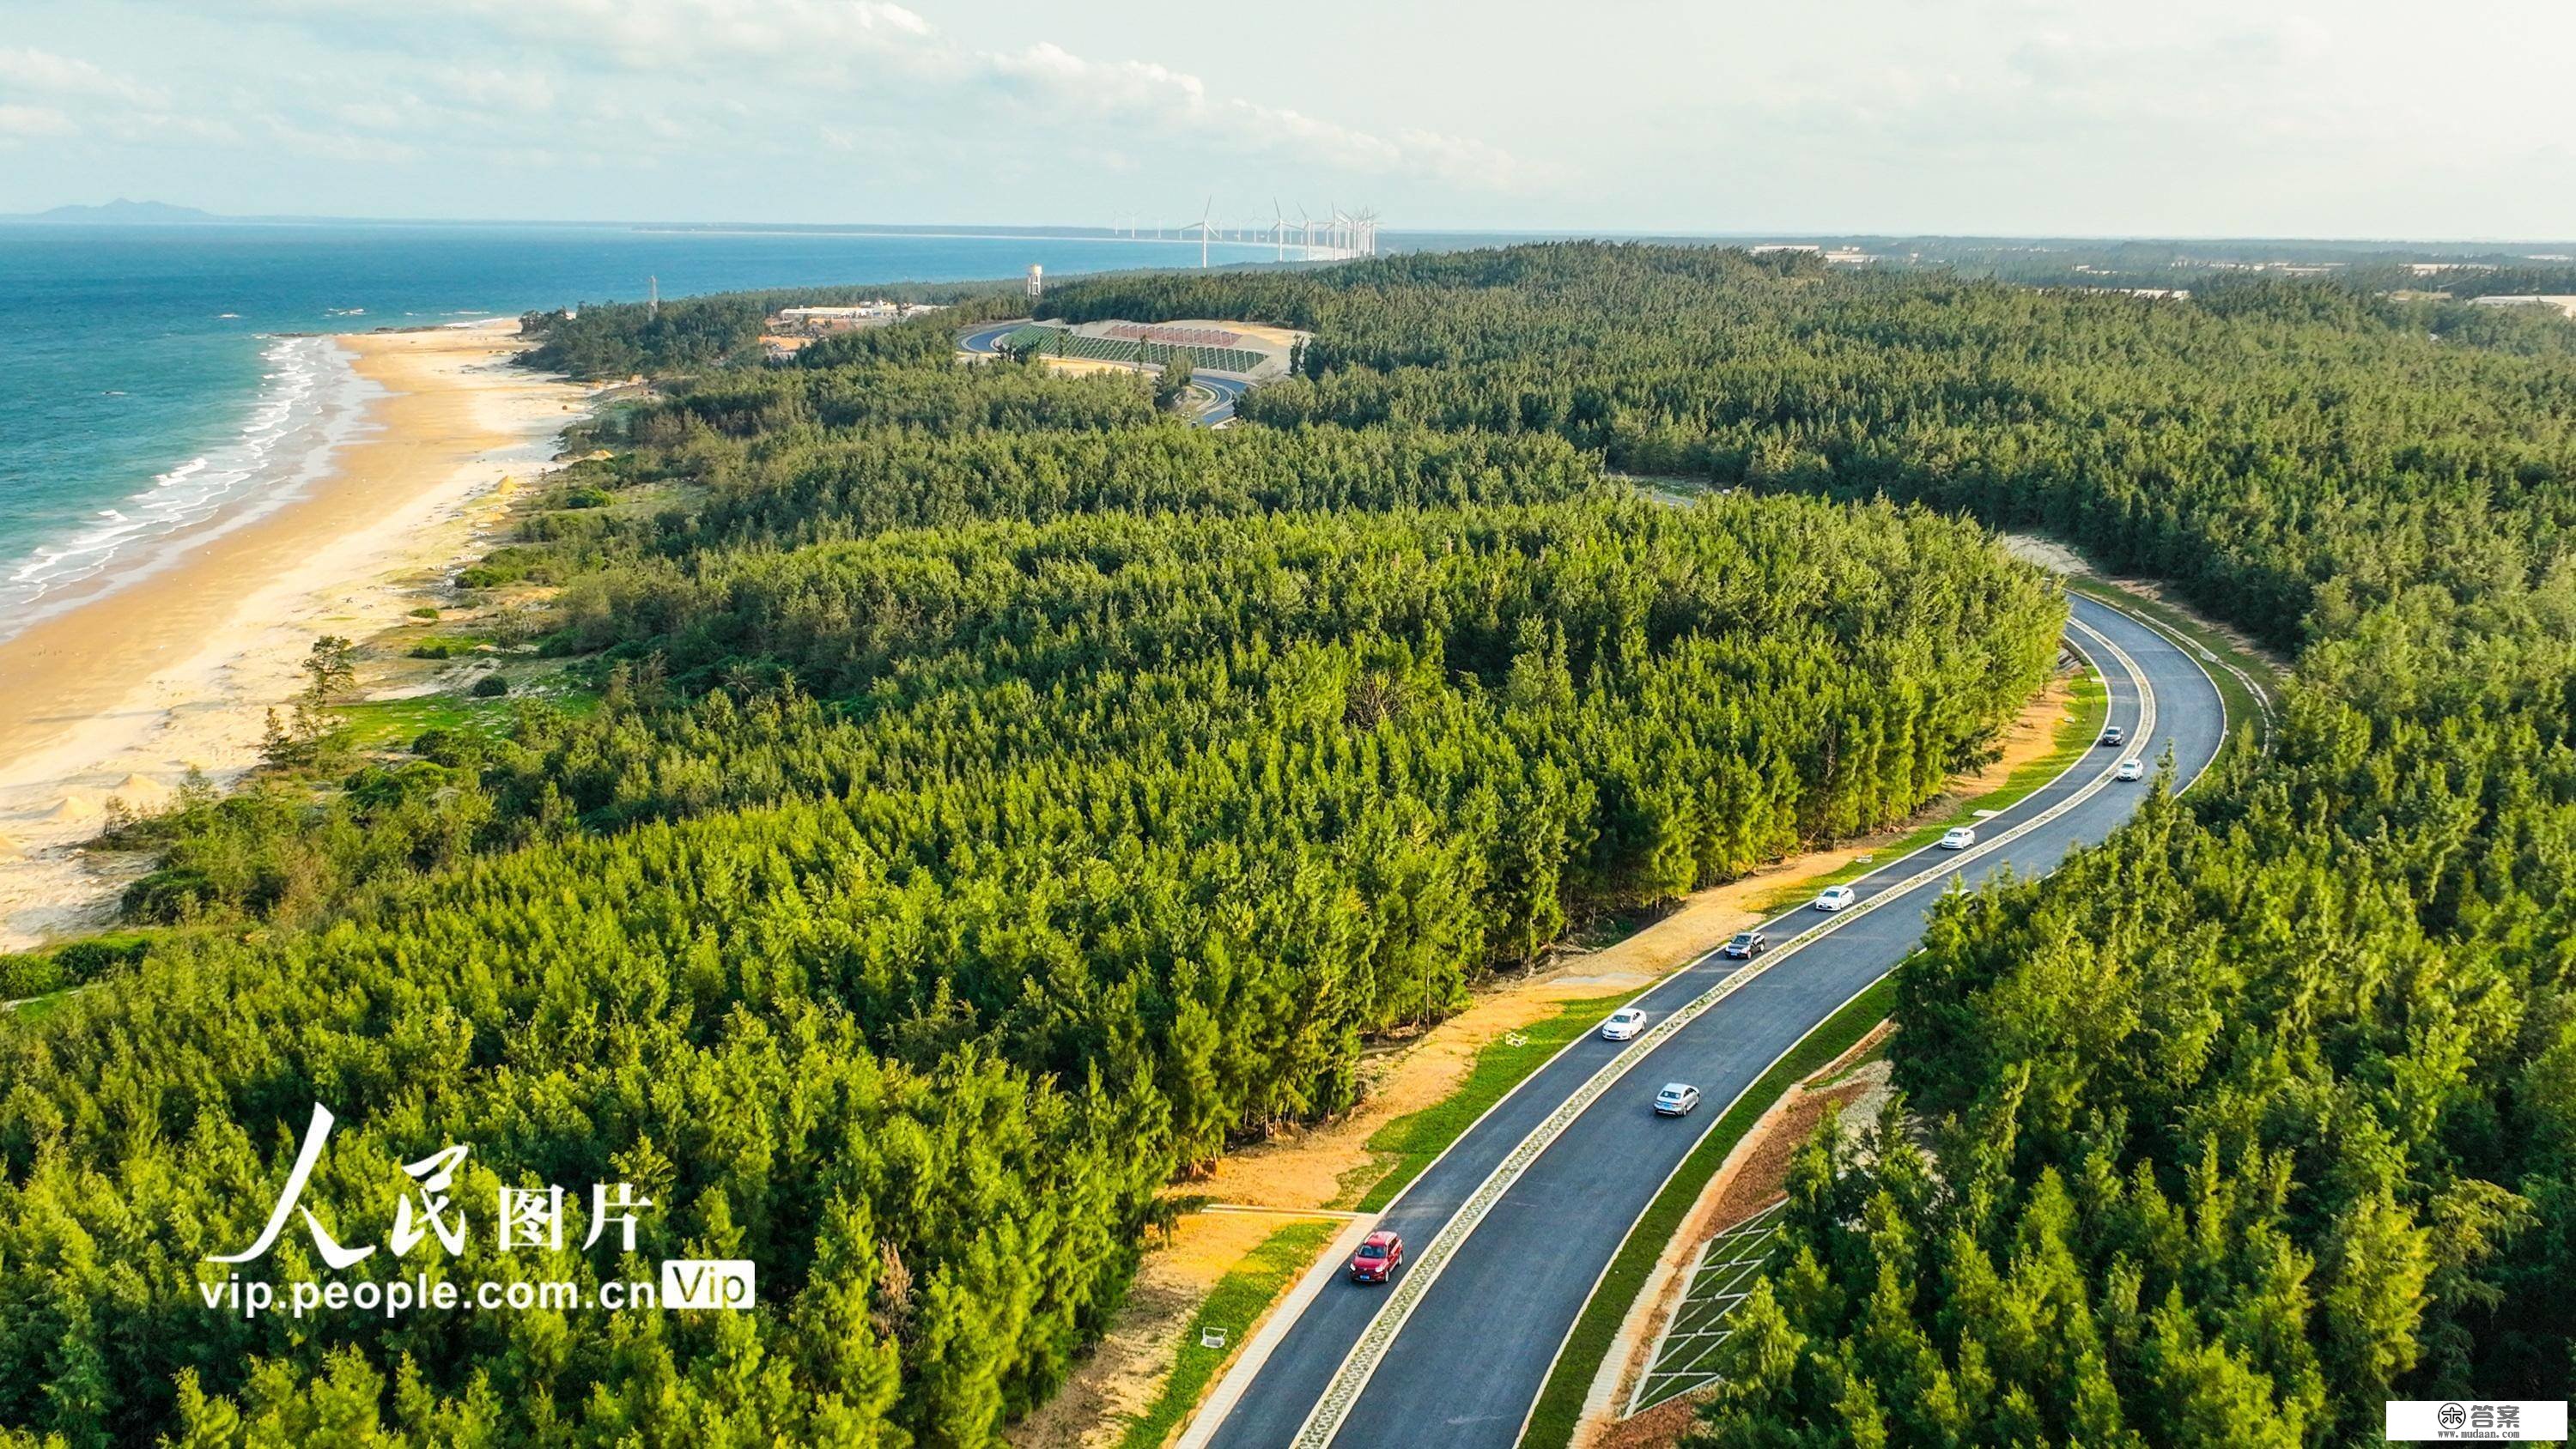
(145, 387)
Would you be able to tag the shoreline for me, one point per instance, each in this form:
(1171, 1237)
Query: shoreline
(308, 402)
(176, 664)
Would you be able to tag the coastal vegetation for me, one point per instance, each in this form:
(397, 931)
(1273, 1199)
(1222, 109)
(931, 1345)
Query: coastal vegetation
(994, 798)
(2258, 1115)
(998, 796)
(2289, 454)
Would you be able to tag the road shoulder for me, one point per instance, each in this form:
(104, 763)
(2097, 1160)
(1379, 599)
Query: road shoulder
(1418, 1093)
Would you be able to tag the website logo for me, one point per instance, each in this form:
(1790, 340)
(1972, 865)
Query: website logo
(430, 1221)
(706, 1283)
(2489, 1421)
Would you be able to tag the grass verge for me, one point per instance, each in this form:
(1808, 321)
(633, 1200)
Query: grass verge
(2088, 705)
(1560, 1404)
(1416, 1138)
(1239, 1298)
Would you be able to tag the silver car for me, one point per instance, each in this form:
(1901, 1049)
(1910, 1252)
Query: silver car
(1624, 1023)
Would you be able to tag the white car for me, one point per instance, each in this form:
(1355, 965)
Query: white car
(1676, 1099)
(1834, 898)
(1958, 837)
(1624, 1023)
(2130, 770)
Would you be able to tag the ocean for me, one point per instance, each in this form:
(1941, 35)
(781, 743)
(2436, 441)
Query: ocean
(148, 386)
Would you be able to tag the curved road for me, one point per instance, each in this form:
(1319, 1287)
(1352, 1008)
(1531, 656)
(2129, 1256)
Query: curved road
(987, 340)
(1538, 1194)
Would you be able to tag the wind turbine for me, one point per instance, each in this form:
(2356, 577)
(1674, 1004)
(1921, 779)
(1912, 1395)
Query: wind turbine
(1306, 224)
(1278, 230)
(1203, 229)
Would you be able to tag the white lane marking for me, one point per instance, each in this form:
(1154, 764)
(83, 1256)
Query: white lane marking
(1360, 1364)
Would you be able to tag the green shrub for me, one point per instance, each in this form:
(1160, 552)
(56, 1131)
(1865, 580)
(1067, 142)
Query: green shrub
(36, 973)
(505, 566)
(29, 973)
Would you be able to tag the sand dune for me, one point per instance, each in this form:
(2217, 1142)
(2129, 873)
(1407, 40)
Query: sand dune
(78, 805)
(141, 793)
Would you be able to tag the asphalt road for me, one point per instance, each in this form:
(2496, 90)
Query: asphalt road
(1469, 1361)
(1226, 386)
(988, 339)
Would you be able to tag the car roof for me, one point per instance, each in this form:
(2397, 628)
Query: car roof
(1678, 1087)
(1630, 1011)
(1381, 1237)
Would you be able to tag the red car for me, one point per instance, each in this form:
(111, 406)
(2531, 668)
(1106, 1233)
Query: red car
(1377, 1258)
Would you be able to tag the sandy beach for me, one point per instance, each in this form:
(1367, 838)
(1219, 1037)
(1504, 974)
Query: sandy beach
(118, 697)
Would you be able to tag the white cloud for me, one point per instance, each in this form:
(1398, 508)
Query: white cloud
(161, 128)
(530, 92)
(1132, 93)
(337, 145)
(815, 65)
(639, 35)
(2027, 115)
(29, 122)
(61, 75)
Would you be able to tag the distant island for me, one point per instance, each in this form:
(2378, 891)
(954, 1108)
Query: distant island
(119, 212)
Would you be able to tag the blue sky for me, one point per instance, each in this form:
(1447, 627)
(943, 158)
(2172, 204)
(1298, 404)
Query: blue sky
(1998, 116)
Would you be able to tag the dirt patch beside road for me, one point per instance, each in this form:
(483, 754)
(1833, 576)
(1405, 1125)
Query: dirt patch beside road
(2057, 558)
(1331, 1163)
(1119, 1380)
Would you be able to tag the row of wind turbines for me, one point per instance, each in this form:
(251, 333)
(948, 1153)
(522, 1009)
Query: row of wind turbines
(1335, 237)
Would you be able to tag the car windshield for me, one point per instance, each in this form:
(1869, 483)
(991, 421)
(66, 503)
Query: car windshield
(1372, 1250)
(1741, 938)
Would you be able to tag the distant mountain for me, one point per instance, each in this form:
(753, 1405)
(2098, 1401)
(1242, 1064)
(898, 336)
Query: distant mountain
(120, 212)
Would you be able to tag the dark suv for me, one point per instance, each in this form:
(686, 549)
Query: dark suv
(1745, 945)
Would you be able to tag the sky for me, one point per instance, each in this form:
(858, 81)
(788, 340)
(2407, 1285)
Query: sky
(1999, 117)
